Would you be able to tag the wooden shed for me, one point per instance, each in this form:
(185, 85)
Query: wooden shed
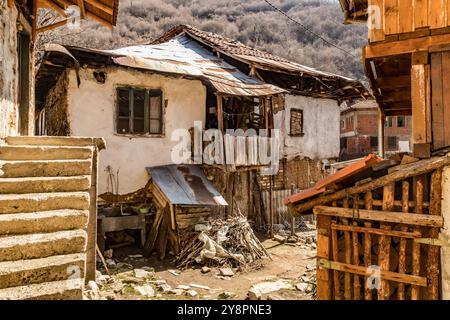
(184, 197)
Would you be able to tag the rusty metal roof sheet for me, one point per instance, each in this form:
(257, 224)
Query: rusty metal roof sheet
(356, 169)
(186, 185)
(185, 57)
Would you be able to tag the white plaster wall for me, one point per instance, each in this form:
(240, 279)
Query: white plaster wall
(8, 70)
(92, 113)
(321, 128)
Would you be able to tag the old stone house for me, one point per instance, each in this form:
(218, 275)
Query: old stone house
(183, 72)
(47, 184)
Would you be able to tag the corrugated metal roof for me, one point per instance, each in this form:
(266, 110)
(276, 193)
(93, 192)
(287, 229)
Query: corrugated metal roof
(186, 185)
(184, 56)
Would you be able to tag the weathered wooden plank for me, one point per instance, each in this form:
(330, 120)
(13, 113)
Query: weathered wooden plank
(418, 92)
(382, 216)
(324, 289)
(392, 16)
(446, 96)
(433, 258)
(335, 249)
(376, 20)
(385, 49)
(368, 199)
(437, 101)
(348, 257)
(355, 253)
(406, 19)
(437, 14)
(402, 247)
(421, 13)
(363, 271)
(419, 187)
(415, 169)
(380, 232)
(385, 242)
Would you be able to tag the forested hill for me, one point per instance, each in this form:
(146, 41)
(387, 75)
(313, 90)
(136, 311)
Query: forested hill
(253, 22)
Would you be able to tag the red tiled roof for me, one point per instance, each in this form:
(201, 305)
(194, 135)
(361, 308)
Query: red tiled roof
(324, 184)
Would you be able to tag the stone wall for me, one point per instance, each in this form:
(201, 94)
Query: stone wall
(8, 70)
(56, 117)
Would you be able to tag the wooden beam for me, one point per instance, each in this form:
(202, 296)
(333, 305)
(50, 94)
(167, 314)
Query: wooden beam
(381, 216)
(380, 232)
(385, 49)
(82, 9)
(363, 271)
(100, 6)
(220, 113)
(394, 82)
(52, 5)
(52, 26)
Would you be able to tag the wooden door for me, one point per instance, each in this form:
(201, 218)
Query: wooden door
(440, 87)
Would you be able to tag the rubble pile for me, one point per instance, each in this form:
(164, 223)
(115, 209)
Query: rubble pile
(222, 242)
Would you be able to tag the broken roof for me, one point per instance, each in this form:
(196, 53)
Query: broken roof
(186, 185)
(180, 56)
(357, 171)
(338, 87)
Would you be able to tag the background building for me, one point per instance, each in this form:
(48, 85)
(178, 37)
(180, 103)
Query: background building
(359, 131)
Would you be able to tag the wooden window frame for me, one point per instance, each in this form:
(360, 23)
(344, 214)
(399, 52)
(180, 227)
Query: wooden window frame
(149, 92)
(404, 123)
(302, 133)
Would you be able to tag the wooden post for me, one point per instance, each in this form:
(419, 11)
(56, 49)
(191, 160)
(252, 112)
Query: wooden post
(433, 263)
(368, 200)
(92, 221)
(445, 234)
(355, 249)
(385, 242)
(419, 185)
(402, 248)
(421, 104)
(220, 113)
(381, 121)
(335, 254)
(348, 257)
(292, 216)
(323, 252)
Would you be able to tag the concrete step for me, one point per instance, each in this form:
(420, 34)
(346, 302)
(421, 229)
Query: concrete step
(57, 290)
(55, 141)
(27, 272)
(41, 222)
(55, 168)
(44, 184)
(42, 245)
(34, 202)
(17, 153)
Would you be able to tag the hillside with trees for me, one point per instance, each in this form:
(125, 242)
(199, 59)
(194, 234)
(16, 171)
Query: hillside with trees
(252, 22)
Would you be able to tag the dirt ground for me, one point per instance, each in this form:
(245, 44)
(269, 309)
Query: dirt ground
(136, 278)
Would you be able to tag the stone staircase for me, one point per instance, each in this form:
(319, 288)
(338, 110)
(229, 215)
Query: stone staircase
(44, 210)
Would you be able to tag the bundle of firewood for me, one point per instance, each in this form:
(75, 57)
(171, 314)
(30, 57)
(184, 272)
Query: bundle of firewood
(221, 242)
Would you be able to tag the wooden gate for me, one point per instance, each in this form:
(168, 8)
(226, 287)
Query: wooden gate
(382, 243)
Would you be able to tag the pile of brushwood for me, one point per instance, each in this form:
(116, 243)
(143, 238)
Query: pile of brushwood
(221, 242)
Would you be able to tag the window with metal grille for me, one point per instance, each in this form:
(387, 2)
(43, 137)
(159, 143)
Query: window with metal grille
(139, 111)
(296, 123)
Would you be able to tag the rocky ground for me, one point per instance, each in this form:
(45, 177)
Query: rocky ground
(290, 275)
